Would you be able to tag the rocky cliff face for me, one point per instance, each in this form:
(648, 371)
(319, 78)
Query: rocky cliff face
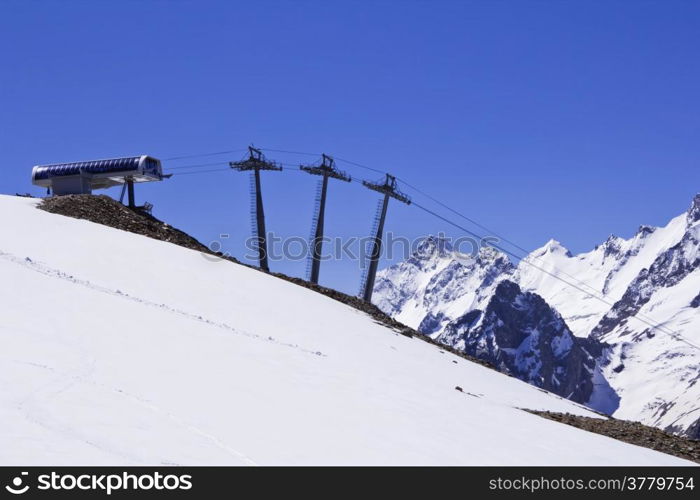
(519, 333)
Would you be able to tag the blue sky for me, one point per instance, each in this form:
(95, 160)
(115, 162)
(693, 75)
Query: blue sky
(538, 119)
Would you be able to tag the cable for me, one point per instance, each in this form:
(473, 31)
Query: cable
(595, 294)
(289, 152)
(439, 203)
(205, 154)
(491, 231)
(462, 215)
(203, 171)
(199, 165)
(676, 335)
(360, 165)
(294, 170)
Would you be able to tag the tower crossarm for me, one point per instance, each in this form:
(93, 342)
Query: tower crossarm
(256, 161)
(326, 168)
(389, 188)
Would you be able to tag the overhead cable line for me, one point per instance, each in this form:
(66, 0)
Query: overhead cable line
(593, 293)
(198, 165)
(202, 171)
(676, 335)
(205, 154)
(290, 152)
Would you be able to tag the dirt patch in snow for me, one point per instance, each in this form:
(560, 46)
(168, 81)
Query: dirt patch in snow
(630, 432)
(109, 212)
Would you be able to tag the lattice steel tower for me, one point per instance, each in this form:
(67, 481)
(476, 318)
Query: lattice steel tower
(327, 170)
(256, 162)
(389, 190)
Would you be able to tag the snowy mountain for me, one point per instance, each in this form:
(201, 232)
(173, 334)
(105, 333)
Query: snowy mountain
(121, 349)
(600, 277)
(437, 285)
(633, 302)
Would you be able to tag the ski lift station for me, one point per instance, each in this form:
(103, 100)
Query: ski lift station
(85, 176)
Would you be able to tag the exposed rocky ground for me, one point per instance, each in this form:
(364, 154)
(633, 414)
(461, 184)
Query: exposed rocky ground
(631, 432)
(109, 212)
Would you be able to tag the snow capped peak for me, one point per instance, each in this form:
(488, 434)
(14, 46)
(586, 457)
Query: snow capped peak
(694, 210)
(645, 231)
(439, 283)
(554, 247)
(612, 245)
(488, 251)
(489, 256)
(431, 247)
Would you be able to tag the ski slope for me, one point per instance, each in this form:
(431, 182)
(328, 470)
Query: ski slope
(123, 350)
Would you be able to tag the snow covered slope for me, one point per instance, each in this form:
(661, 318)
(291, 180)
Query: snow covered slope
(120, 349)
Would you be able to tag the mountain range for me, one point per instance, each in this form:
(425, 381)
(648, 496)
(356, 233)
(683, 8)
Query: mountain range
(616, 328)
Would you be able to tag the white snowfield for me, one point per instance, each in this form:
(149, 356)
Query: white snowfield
(119, 349)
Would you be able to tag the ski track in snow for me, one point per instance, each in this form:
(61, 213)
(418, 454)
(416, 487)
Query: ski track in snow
(33, 412)
(28, 263)
(182, 423)
(63, 382)
(36, 414)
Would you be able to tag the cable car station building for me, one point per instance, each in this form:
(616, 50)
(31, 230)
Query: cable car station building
(85, 176)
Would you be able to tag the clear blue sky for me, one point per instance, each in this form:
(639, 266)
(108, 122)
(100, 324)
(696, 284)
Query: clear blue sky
(539, 119)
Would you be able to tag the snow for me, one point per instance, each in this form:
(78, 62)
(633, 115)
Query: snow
(119, 349)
